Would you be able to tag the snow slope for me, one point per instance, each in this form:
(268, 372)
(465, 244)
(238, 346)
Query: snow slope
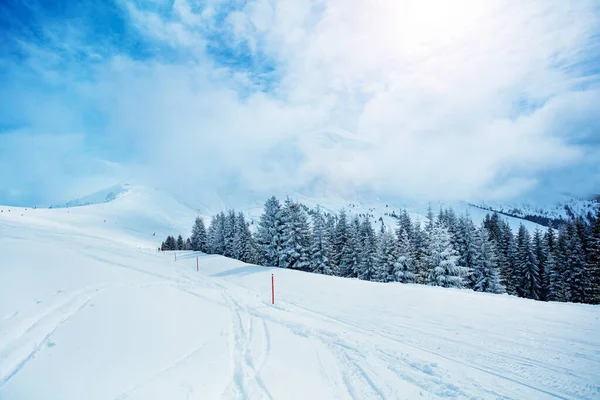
(89, 310)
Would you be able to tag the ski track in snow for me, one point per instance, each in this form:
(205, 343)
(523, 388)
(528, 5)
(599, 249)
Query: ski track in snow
(27, 339)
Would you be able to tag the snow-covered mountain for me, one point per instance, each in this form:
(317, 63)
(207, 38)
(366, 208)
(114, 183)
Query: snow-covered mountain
(545, 213)
(90, 310)
(211, 201)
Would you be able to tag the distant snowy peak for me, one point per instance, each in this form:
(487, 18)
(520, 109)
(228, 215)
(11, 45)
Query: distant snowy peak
(102, 196)
(555, 213)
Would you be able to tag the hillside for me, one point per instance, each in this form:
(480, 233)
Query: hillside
(89, 309)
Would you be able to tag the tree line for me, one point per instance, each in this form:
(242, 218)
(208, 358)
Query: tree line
(446, 250)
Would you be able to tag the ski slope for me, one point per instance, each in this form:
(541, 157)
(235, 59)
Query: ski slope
(90, 310)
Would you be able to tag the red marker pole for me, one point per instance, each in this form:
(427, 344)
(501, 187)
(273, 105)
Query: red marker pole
(175, 255)
(196, 264)
(272, 289)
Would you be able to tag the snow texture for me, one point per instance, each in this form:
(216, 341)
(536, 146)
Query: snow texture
(90, 310)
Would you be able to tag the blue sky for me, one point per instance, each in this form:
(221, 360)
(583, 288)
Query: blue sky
(408, 98)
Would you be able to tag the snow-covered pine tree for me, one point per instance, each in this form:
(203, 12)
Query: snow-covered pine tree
(404, 223)
(269, 233)
(170, 243)
(467, 246)
(211, 236)
(188, 244)
(420, 244)
(486, 273)
(198, 238)
(430, 219)
(442, 260)
(529, 286)
(576, 277)
(228, 233)
(386, 257)
(404, 265)
(493, 225)
(552, 274)
(504, 241)
(350, 256)
(295, 236)
(368, 249)
(330, 231)
(593, 264)
(319, 248)
(180, 243)
(339, 243)
(239, 237)
(540, 252)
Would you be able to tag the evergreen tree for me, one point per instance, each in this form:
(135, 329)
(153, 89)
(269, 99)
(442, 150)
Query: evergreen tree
(486, 273)
(198, 238)
(467, 246)
(504, 241)
(339, 243)
(330, 235)
(188, 244)
(593, 262)
(552, 275)
(170, 243)
(368, 249)
(386, 257)
(430, 219)
(528, 266)
(404, 224)
(245, 246)
(350, 256)
(239, 237)
(420, 244)
(404, 266)
(576, 277)
(319, 251)
(180, 243)
(540, 252)
(443, 260)
(229, 233)
(295, 236)
(269, 233)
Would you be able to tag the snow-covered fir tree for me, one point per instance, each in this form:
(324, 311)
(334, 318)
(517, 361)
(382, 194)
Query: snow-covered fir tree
(420, 244)
(552, 274)
(593, 263)
(228, 234)
(442, 260)
(180, 243)
(404, 224)
(404, 265)
(540, 252)
(486, 273)
(368, 249)
(198, 238)
(529, 286)
(507, 256)
(575, 273)
(295, 238)
(269, 232)
(386, 257)
(319, 252)
(350, 255)
(339, 243)
(467, 246)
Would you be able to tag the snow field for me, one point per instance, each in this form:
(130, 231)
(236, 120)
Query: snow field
(90, 310)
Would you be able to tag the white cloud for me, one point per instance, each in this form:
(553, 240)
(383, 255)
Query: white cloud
(423, 98)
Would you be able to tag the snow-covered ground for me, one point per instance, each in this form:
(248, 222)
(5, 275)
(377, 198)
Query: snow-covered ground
(90, 310)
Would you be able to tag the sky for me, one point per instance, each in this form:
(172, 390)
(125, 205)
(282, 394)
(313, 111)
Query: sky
(429, 99)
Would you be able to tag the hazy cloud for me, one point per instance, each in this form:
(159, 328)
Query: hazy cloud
(425, 99)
